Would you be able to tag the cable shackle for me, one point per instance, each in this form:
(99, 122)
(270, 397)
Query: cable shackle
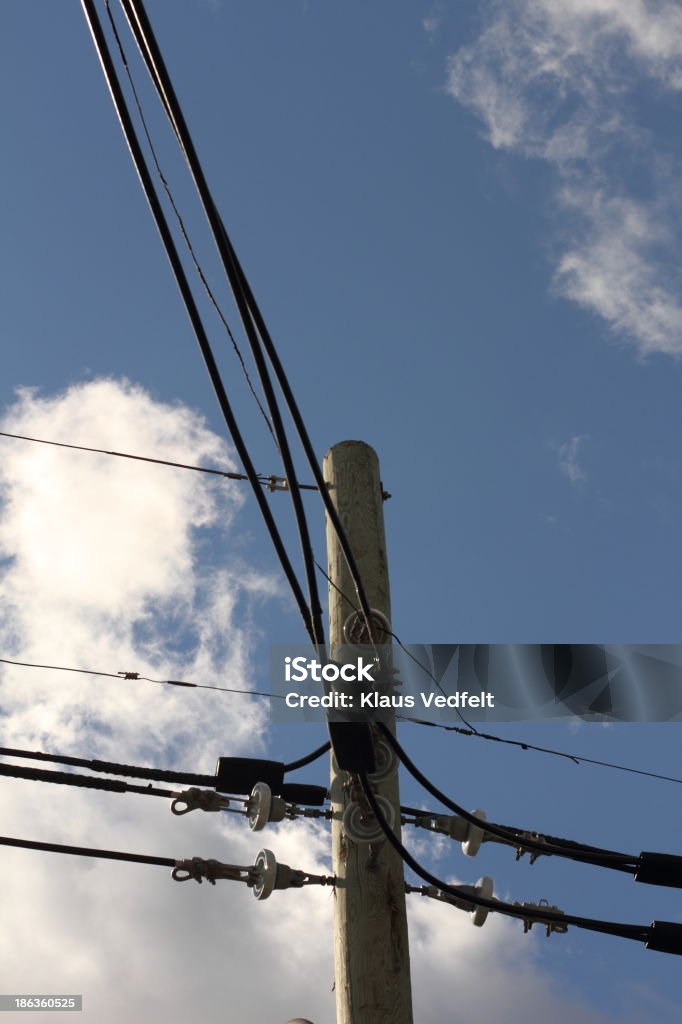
(199, 799)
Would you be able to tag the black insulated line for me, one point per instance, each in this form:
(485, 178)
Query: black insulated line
(605, 858)
(252, 317)
(188, 298)
(85, 851)
(83, 781)
(308, 759)
(237, 284)
(639, 933)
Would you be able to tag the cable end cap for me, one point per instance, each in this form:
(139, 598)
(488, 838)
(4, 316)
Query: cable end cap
(665, 937)
(660, 869)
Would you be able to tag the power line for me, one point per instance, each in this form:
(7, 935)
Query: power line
(246, 312)
(137, 677)
(576, 758)
(181, 224)
(272, 482)
(250, 313)
(83, 781)
(112, 768)
(123, 113)
(640, 933)
(84, 851)
(590, 855)
(309, 758)
(471, 730)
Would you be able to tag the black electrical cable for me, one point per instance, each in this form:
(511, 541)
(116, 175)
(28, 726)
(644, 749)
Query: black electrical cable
(112, 768)
(626, 931)
(309, 758)
(84, 851)
(606, 858)
(569, 844)
(190, 305)
(249, 311)
(270, 481)
(181, 223)
(14, 771)
(266, 384)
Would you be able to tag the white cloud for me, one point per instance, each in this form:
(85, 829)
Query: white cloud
(109, 564)
(561, 82)
(568, 459)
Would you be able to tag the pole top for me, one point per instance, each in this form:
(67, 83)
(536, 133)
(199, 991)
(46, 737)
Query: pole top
(352, 444)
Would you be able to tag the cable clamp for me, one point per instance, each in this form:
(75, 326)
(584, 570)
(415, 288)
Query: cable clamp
(532, 854)
(211, 870)
(276, 483)
(294, 811)
(202, 799)
(550, 926)
(129, 675)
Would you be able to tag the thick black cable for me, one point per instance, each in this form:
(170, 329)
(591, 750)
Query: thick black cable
(271, 481)
(84, 851)
(236, 284)
(111, 768)
(14, 771)
(626, 931)
(181, 223)
(190, 305)
(249, 311)
(309, 758)
(606, 858)
(473, 731)
(135, 676)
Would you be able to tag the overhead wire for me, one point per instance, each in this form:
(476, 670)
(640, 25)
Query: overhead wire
(639, 933)
(135, 676)
(271, 481)
(591, 855)
(314, 604)
(123, 113)
(309, 758)
(181, 223)
(523, 745)
(113, 768)
(81, 781)
(84, 851)
(252, 318)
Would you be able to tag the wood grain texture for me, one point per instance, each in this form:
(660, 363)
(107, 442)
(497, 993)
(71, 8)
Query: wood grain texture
(371, 951)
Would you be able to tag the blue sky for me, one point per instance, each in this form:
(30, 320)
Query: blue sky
(461, 223)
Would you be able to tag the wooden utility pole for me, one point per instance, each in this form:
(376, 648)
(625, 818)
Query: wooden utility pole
(371, 952)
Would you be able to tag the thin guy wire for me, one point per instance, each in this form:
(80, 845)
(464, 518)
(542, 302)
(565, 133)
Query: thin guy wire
(135, 676)
(268, 481)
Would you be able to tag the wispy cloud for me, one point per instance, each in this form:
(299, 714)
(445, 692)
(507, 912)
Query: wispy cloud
(569, 459)
(431, 23)
(563, 83)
